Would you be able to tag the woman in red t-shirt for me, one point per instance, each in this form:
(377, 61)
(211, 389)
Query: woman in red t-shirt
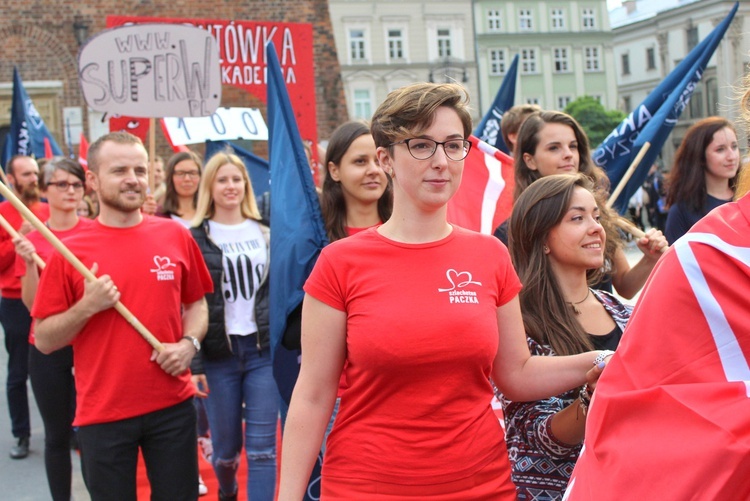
(419, 314)
(63, 183)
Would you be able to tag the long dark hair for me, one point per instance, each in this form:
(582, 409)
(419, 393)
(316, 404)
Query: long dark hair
(332, 199)
(547, 317)
(171, 200)
(686, 182)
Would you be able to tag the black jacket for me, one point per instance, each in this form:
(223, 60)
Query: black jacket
(216, 345)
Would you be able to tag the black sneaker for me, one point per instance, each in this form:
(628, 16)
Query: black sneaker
(21, 449)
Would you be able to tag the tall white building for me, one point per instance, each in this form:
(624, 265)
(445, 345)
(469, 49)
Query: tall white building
(386, 44)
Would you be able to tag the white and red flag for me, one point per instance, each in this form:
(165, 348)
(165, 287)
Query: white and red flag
(485, 198)
(670, 418)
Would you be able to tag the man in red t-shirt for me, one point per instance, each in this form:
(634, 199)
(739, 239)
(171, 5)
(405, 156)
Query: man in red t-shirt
(23, 175)
(128, 395)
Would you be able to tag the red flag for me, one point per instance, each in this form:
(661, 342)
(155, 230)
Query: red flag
(670, 418)
(83, 152)
(136, 126)
(47, 148)
(177, 148)
(485, 198)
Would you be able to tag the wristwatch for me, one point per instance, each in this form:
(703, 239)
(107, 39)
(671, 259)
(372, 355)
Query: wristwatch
(196, 343)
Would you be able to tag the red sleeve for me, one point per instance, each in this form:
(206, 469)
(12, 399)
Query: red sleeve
(7, 249)
(324, 285)
(508, 282)
(58, 290)
(20, 267)
(196, 280)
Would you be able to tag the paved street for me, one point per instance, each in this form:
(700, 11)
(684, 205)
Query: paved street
(25, 480)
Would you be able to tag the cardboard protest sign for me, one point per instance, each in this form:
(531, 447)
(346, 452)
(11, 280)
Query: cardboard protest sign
(151, 70)
(226, 124)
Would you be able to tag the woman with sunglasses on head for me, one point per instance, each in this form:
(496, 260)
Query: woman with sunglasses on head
(182, 178)
(419, 315)
(557, 238)
(552, 142)
(62, 183)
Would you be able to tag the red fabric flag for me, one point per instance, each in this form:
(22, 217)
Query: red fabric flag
(83, 152)
(670, 418)
(136, 126)
(485, 198)
(177, 148)
(48, 148)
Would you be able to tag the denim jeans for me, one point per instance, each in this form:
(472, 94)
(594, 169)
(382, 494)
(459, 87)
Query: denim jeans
(243, 386)
(16, 323)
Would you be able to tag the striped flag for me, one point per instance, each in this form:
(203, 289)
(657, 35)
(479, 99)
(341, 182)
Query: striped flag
(670, 418)
(485, 197)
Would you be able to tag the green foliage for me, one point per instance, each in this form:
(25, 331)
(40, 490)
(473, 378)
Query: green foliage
(595, 120)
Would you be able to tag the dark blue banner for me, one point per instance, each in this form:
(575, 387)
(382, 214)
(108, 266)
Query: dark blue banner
(27, 129)
(653, 120)
(488, 129)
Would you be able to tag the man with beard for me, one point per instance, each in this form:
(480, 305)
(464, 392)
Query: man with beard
(128, 395)
(23, 175)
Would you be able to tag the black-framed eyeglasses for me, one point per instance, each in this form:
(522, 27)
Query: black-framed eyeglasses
(64, 185)
(422, 148)
(187, 173)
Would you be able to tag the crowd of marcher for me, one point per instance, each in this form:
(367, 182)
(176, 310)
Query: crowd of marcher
(409, 325)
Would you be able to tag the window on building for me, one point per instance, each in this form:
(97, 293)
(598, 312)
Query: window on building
(525, 21)
(533, 100)
(362, 104)
(444, 42)
(627, 104)
(557, 17)
(528, 61)
(625, 60)
(692, 37)
(696, 102)
(561, 62)
(588, 19)
(650, 58)
(712, 97)
(497, 62)
(357, 45)
(395, 44)
(494, 20)
(592, 58)
(563, 102)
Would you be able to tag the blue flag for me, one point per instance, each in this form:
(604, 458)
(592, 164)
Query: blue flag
(257, 167)
(488, 129)
(297, 233)
(653, 120)
(297, 230)
(27, 129)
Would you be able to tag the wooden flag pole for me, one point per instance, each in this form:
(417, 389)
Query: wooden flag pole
(151, 154)
(14, 234)
(626, 177)
(76, 263)
(626, 225)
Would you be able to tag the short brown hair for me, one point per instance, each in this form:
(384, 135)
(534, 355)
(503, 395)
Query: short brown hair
(411, 109)
(119, 137)
(513, 119)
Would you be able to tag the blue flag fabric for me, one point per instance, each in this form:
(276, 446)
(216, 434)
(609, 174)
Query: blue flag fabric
(653, 120)
(297, 230)
(297, 233)
(27, 129)
(488, 129)
(257, 167)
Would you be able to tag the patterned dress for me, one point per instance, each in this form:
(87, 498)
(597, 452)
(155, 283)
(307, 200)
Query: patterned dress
(540, 463)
